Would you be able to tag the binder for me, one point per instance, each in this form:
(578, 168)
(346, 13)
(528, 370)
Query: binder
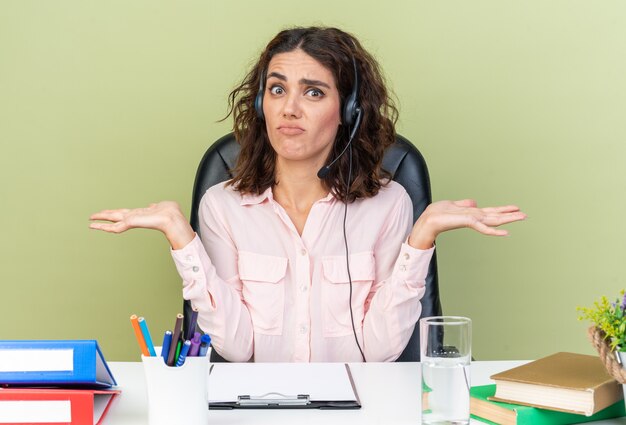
(54, 363)
(59, 406)
(282, 386)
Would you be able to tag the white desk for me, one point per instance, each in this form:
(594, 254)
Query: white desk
(389, 393)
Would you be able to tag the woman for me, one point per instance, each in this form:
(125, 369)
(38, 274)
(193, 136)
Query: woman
(269, 274)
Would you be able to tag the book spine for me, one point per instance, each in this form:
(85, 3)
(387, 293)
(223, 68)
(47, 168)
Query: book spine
(550, 417)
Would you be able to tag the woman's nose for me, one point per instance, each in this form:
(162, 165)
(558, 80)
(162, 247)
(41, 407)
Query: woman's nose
(291, 106)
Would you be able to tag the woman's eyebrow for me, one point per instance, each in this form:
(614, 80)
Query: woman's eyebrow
(303, 81)
(276, 75)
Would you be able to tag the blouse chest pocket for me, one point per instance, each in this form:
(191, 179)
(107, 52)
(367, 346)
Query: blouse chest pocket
(336, 292)
(263, 289)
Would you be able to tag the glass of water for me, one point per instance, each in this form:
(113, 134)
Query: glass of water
(445, 353)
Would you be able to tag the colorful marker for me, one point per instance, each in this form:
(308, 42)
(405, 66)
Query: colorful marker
(179, 345)
(139, 335)
(205, 341)
(165, 348)
(146, 336)
(192, 324)
(183, 353)
(171, 359)
(195, 345)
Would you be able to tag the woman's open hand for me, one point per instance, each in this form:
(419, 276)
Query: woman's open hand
(442, 216)
(165, 217)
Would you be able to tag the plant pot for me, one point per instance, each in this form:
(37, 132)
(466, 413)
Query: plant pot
(622, 358)
(616, 369)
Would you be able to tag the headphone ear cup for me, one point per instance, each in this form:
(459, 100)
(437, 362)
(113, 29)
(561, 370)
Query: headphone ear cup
(258, 105)
(349, 110)
(258, 100)
(352, 107)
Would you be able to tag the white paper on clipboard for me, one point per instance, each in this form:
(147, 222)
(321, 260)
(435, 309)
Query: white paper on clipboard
(319, 381)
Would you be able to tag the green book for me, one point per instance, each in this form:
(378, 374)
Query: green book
(494, 412)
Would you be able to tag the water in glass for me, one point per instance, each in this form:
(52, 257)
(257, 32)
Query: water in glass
(445, 390)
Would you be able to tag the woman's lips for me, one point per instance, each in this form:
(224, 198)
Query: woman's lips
(290, 131)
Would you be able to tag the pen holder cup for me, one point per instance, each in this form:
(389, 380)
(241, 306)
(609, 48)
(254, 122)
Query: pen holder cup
(177, 394)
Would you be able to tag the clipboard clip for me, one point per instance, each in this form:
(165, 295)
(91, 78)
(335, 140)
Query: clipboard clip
(274, 399)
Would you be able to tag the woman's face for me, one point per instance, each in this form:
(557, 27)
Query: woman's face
(301, 107)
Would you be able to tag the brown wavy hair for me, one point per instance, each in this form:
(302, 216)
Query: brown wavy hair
(335, 50)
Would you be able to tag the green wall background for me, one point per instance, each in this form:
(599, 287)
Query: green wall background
(108, 104)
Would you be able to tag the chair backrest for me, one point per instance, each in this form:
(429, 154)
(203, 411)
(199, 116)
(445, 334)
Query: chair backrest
(402, 160)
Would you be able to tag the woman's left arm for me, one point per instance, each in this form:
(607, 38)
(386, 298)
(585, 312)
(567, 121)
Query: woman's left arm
(393, 307)
(442, 216)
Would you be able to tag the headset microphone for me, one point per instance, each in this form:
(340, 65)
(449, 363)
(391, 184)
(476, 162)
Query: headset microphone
(323, 172)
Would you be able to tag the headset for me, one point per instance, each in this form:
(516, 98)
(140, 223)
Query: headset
(351, 118)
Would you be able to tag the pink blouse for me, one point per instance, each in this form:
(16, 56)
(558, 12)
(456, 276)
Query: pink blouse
(267, 294)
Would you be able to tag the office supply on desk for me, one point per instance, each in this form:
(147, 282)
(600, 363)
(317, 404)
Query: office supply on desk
(171, 358)
(46, 406)
(177, 395)
(183, 353)
(146, 335)
(282, 385)
(205, 341)
(193, 321)
(179, 345)
(514, 414)
(195, 345)
(575, 383)
(53, 363)
(134, 321)
(167, 340)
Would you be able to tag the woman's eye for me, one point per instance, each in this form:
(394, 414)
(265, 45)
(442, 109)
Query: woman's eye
(315, 93)
(276, 90)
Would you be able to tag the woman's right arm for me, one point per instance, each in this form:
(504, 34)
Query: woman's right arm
(165, 217)
(218, 299)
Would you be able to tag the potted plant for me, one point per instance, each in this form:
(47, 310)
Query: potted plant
(608, 333)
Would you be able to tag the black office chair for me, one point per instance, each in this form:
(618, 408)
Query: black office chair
(402, 160)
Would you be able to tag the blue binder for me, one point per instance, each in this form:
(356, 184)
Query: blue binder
(66, 363)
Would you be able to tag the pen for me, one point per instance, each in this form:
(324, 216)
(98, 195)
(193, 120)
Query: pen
(205, 341)
(139, 335)
(192, 324)
(175, 337)
(183, 353)
(195, 345)
(179, 345)
(146, 336)
(165, 348)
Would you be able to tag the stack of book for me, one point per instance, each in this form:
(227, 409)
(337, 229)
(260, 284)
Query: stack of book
(563, 388)
(54, 382)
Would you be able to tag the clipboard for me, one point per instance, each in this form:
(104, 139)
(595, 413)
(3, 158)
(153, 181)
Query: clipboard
(282, 386)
